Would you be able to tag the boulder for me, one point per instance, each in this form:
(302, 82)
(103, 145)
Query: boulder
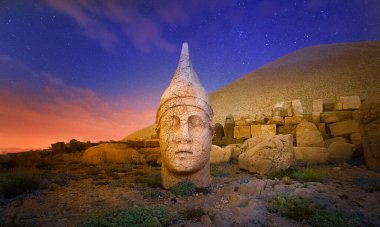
(267, 154)
(253, 187)
(340, 151)
(311, 155)
(294, 120)
(219, 155)
(369, 114)
(241, 122)
(332, 140)
(110, 153)
(348, 103)
(316, 117)
(322, 130)
(282, 109)
(344, 128)
(335, 116)
(307, 135)
(258, 130)
(234, 149)
(242, 132)
(151, 143)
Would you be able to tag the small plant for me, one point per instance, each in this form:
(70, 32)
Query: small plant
(192, 214)
(217, 171)
(151, 193)
(332, 219)
(92, 170)
(183, 189)
(302, 174)
(12, 185)
(294, 207)
(134, 216)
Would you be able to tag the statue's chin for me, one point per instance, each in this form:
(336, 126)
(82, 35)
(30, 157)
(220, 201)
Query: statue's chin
(181, 168)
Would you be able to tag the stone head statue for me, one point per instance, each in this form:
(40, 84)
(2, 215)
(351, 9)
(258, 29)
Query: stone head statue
(184, 126)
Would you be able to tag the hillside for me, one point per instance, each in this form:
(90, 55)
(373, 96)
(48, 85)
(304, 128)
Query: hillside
(323, 71)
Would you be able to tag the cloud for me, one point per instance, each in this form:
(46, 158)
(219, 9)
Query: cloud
(46, 110)
(144, 26)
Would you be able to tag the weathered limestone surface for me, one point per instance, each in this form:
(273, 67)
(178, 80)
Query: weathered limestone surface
(311, 155)
(276, 120)
(110, 153)
(184, 125)
(219, 155)
(219, 131)
(369, 113)
(242, 132)
(344, 128)
(318, 105)
(316, 116)
(348, 102)
(297, 108)
(258, 130)
(308, 135)
(267, 154)
(356, 138)
(288, 108)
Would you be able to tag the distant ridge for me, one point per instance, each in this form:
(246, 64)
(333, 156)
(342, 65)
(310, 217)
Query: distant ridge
(322, 71)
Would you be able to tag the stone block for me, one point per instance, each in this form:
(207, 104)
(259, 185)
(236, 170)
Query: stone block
(318, 105)
(276, 120)
(151, 143)
(329, 106)
(311, 155)
(307, 135)
(332, 140)
(344, 128)
(241, 123)
(322, 130)
(297, 109)
(356, 138)
(316, 116)
(242, 132)
(282, 109)
(348, 103)
(258, 130)
(335, 116)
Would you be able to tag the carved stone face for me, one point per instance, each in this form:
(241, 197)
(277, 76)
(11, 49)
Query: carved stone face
(185, 136)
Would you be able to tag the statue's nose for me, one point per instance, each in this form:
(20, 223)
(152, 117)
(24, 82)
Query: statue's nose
(183, 135)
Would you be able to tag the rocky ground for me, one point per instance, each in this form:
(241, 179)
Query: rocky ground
(72, 192)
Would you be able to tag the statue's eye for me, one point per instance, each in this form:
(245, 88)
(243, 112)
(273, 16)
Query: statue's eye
(195, 121)
(174, 121)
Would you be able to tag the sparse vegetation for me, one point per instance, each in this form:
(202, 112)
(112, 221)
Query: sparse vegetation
(134, 216)
(333, 219)
(14, 184)
(302, 174)
(294, 207)
(183, 189)
(303, 209)
(192, 214)
(217, 171)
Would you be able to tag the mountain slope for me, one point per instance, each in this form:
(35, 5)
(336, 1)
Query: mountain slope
(323, 71)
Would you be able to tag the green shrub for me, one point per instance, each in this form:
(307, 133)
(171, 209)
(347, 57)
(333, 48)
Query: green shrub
(183, 189)
(294, 207)
(332, 219)
(14, 184)
(217, 171)
(134, 216)
(302, 174)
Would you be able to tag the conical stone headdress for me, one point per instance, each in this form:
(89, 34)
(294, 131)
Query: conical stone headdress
(184, 89)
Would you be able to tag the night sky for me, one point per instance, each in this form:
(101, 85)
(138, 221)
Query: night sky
(95, 70)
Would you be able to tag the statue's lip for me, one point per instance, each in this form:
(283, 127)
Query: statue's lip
(183, 151)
